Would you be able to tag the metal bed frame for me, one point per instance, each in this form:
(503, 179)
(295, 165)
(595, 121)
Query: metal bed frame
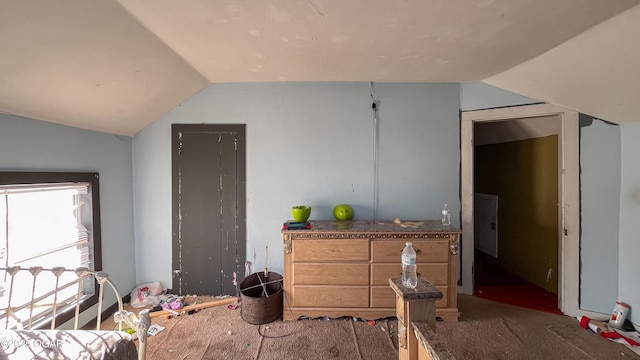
(139, 323)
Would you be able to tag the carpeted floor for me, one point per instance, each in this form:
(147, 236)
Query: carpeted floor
(492, 330)
(487, 330)
(220, 333)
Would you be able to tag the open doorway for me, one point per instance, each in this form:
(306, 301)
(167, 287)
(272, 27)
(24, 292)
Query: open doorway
(517, 129)
(516, 222)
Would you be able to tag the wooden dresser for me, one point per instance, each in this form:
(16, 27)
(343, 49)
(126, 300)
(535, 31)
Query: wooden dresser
(342, 268)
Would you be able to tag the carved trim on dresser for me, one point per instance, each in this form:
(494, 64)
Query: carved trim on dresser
(343, 235)
(453, 244)
(287, 243)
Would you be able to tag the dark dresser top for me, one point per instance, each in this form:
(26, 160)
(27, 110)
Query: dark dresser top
(423, 291)
(376, 227)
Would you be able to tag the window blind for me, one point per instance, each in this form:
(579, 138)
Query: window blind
(43, 224)
(79, 188)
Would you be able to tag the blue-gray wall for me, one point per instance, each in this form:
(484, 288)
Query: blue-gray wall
(475, 95)
(599, 213)
(629, 245)
(309, 142)
(32, 145)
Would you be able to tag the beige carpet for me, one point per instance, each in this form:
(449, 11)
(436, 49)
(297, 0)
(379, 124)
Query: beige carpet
(220, 333)
(490, 330)
(487, 330)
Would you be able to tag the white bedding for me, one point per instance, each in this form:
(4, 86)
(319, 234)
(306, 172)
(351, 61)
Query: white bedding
(66, 345)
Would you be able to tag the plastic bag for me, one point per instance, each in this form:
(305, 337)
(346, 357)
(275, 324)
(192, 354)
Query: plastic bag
(147, 294)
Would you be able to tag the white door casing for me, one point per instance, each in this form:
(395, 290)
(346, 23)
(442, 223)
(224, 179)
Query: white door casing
(568, 190)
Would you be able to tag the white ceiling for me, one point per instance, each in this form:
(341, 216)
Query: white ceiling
(116, 66)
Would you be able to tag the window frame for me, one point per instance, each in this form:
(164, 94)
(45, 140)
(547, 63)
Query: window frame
(25, 177)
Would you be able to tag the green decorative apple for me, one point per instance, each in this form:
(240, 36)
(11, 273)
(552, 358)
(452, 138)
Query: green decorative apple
(343, 212)
(301, 212)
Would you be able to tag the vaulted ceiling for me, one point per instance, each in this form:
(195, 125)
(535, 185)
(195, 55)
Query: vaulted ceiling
(116, 66)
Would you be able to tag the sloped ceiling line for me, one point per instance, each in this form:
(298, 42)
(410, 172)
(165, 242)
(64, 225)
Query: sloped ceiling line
(116, 66)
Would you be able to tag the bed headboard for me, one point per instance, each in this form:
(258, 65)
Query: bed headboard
(34, 297)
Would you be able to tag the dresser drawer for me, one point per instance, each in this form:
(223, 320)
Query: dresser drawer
(331, 296)
(330, 250)
(437, 274)
(385, 297)
(426, 250)
(330, 274)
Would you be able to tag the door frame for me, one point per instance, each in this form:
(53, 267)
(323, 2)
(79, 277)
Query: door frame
(568, 187)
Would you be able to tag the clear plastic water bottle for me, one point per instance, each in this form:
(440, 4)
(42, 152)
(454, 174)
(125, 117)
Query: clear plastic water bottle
(409, 274)
(446, 216)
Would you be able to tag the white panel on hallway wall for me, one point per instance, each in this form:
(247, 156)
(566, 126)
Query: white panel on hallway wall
(485, 223)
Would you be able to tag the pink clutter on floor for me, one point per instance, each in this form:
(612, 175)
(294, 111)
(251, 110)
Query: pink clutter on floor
(172, 302)
(147, 294)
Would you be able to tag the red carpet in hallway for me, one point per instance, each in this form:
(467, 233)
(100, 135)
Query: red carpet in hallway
(494, 283)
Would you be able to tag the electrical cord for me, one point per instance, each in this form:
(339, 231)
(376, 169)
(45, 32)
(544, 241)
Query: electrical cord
(374, 108)
(261, 333)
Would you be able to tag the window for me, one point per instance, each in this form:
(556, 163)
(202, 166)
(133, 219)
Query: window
(47, 220)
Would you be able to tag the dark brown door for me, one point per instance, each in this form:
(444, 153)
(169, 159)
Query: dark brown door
(209, 221)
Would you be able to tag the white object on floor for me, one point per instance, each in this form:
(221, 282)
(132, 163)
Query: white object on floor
(633, 335)
(154, 329)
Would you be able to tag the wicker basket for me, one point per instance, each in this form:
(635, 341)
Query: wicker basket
(261, 298)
